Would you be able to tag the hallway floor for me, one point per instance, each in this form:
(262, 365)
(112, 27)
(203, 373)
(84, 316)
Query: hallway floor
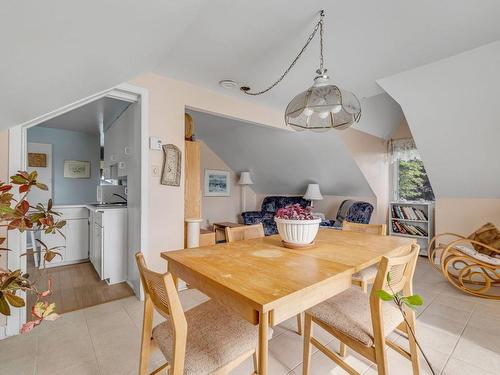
(76, 286)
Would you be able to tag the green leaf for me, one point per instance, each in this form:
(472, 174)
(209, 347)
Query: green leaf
(389, 277)
(7, 209)
(4, 306)
(42, 186)
(384, 296)
(14, 300)
(415, 300)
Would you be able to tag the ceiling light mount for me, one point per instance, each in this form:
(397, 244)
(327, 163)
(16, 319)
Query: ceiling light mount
(323, 106)
(228, 84)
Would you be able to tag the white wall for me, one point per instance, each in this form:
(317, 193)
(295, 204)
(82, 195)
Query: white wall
(130, 123)
(218, 209)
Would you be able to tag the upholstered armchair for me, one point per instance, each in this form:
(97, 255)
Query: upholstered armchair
(269, 207)
(352, 211)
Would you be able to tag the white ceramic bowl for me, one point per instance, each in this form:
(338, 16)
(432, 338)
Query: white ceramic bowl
(297, 232)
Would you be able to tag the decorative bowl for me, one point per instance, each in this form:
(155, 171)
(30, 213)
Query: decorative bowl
(298, 232)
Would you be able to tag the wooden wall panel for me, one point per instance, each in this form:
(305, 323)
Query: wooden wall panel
(192, 190)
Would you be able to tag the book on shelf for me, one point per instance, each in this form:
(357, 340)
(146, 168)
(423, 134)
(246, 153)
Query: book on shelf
(408, 213)
(403, 228)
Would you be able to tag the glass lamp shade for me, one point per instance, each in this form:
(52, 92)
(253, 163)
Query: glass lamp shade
(323, 107)
(245, 179)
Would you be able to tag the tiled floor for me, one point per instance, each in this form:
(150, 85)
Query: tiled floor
(460, 334)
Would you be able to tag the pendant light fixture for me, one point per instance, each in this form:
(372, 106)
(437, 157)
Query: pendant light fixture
(323, 106)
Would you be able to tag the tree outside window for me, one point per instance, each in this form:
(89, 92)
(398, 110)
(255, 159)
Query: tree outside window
(409, 176)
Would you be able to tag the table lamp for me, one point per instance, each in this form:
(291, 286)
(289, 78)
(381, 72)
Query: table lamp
(313, 194)
(245, 180)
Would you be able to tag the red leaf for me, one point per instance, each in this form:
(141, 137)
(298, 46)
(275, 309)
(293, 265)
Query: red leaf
(28, 327)
(24, 188)
(24, 206)
(4, 188)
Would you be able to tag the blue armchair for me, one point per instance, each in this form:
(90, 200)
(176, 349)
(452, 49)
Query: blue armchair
(269, 207)
(353, 211)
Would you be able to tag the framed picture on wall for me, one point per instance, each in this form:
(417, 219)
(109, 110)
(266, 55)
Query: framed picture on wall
(217, 183)
(76, 169)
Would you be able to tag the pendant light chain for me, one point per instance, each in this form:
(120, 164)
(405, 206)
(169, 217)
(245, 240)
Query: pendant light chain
(319, 26)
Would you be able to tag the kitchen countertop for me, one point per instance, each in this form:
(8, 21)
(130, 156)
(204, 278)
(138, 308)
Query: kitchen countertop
(88, 206)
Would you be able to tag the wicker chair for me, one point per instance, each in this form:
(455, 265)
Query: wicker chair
(467, 269)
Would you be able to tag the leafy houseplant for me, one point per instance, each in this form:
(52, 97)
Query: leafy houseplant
(401, 301)
(20, 215)
(296, 224)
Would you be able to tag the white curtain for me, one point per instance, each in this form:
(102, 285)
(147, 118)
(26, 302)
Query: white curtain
(403, 149)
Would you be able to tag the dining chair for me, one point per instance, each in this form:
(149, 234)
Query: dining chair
(367, 276)
(245, 232)
(207, 339)
(363, 322)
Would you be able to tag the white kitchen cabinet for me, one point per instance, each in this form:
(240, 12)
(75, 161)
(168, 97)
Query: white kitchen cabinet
(118, 140)
(109, 244)
(74, 245)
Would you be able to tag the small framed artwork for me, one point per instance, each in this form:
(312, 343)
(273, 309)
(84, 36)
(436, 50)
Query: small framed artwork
(37, 160)
(217, 183)
(76, 169)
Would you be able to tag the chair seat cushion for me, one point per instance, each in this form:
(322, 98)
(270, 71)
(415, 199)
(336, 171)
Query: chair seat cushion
(215, 336)
(494, 261)
(349, 313)
(367, 274)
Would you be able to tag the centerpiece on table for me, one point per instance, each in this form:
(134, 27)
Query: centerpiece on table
(297, 226)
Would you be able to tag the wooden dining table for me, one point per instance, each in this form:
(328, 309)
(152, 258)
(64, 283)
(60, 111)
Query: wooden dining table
(267, 283)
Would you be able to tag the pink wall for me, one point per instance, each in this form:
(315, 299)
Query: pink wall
(464, 216)
(218, 209)
(370, 153)
(168, 100)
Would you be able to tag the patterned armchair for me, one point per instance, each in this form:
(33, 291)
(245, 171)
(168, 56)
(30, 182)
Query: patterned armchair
(269, 207)
(352, 211)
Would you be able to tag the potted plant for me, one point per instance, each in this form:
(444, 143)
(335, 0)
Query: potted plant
(20, 215)
(297, 225)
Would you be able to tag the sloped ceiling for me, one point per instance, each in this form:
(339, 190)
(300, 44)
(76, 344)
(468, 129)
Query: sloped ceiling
(92, 118)
(282, 161)
(452, 110)
(55, 52)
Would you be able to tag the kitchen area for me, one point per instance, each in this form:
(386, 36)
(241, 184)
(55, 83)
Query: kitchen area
(90, 160)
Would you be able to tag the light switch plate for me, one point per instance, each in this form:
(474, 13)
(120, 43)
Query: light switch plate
(155, 171)
(155, 143)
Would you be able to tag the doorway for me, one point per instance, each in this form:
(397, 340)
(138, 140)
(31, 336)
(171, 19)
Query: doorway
(73, 274)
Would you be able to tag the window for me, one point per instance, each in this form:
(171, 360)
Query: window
(410, 181)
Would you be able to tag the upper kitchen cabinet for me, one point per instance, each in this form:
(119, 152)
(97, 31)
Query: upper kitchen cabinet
(118, 146)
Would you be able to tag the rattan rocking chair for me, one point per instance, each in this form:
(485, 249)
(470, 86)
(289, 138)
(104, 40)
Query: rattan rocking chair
(466, 268)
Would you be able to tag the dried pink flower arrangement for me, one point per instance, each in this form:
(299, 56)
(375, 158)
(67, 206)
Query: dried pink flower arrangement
(295, 212)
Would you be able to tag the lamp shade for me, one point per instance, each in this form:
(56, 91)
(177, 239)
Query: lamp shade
(313, 193)
(245, 179)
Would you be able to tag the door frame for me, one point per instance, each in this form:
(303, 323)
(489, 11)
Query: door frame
(18, 142)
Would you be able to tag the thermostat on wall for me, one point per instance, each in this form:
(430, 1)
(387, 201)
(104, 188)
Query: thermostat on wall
(154, 143)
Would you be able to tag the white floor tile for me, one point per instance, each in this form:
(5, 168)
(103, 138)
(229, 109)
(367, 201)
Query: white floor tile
(457, 367)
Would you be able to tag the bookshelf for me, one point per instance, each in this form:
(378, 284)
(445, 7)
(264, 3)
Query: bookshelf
(412, 220)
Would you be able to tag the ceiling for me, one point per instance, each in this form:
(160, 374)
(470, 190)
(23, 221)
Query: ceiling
(90, 117)
(55, 56)
(282, 161)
